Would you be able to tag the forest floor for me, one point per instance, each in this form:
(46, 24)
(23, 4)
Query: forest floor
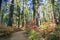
(20, 35)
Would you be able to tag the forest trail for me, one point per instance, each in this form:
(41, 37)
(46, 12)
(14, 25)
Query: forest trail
(20, 35)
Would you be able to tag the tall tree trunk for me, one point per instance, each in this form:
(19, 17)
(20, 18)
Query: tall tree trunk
(18, 9)
(10, 19)
(0, 4)
(23, 15)
(2, 12)
(52, 1)
(35, 11)
(54, 12)
(2, 17)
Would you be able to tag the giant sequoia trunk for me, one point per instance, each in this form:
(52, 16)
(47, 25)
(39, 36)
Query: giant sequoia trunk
(11, 14)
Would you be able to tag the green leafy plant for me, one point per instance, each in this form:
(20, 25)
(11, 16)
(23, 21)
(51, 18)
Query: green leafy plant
(32, 33)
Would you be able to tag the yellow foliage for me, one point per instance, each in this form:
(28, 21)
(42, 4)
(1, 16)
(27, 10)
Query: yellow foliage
(46, 27)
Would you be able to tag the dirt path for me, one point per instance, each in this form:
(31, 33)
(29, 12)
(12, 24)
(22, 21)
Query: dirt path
(16, 36)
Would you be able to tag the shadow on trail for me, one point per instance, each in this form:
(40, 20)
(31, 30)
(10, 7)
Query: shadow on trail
(5, 37)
